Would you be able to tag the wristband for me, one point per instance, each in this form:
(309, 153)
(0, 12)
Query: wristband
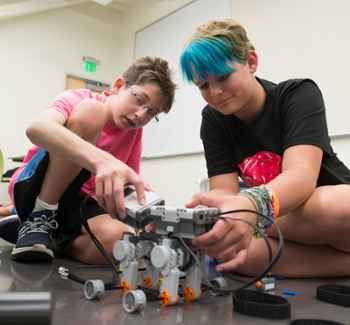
(275, 202)
(266, 203)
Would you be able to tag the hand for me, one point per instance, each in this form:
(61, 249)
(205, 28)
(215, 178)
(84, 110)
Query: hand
(111, 177)
(228, 240)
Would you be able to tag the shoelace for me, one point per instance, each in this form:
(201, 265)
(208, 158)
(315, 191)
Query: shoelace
(44, 225)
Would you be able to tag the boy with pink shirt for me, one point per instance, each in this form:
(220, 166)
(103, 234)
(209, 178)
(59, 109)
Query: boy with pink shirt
(85, 142)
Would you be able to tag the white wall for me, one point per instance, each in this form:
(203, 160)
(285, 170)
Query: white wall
(284, 33)
(36, 53)
(37, 50)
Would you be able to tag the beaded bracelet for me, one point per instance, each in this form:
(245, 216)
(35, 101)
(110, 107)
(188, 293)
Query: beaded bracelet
(266, 202)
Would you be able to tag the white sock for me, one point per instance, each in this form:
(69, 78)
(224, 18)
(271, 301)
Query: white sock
(41, 205)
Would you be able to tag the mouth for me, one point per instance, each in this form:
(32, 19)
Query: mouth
(131, 122)
(223, 102)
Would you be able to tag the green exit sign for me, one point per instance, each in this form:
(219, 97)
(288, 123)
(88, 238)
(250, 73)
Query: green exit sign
(90, 67)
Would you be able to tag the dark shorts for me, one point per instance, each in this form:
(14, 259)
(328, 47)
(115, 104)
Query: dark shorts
(68, 215)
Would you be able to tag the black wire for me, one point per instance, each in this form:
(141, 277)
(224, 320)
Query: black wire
(114, 268)
(280, 236)
(272, 260)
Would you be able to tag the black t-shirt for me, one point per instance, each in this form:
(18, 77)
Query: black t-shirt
(293, 114)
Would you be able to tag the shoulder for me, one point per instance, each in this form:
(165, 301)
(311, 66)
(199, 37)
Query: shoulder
(288, 85)
(72, 97)
(293, 84)
(292, 90)
(81, 94)
(300, 88)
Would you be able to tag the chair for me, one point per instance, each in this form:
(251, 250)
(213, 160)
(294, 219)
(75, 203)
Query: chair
(2, 178)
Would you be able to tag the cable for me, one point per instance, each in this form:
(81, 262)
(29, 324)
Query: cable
(116, 272)
(272, 260)
(114, 268)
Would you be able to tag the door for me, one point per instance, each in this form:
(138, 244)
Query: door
(74, 82)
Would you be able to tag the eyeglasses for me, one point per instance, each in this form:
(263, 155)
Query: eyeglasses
(143, 105)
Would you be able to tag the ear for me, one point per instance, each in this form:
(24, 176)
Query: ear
(253, 61)
(118, 84)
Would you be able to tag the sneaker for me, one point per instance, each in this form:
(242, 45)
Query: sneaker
(9, 228)
(34, 238)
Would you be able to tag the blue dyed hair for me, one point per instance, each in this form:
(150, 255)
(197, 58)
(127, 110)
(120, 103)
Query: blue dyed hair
(213, 48)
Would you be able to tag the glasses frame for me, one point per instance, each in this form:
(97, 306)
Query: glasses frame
(156, 117)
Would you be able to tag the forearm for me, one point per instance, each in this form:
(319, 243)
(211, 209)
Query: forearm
(293, 187)
(300, 171)
(59, 141)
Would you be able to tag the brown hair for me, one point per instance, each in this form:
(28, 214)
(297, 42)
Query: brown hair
(155, 71)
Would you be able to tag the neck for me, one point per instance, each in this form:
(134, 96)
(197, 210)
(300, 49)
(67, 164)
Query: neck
(255, 105)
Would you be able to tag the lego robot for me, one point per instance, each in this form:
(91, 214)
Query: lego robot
(172, 266)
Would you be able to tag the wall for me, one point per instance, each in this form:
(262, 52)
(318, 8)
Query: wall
(173, 178)
(38, 50)
(177, 134)
(31, 64)
(36, 53)
(284, 34)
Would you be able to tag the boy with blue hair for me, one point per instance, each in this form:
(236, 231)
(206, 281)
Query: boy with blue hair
(275, 137)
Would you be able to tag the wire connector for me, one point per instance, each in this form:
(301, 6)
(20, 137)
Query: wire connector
(265, 284)
(64, 272)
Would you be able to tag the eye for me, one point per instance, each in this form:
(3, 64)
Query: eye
(203, 86)
(139, 101)
(151, 113)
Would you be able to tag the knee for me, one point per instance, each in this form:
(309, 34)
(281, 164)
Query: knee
(88, 118)
(109, 234)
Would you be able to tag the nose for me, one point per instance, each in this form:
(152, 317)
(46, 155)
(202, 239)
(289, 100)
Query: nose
(215, 89)
(141, 113)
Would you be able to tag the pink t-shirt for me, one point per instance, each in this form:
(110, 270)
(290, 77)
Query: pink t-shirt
(126, 146)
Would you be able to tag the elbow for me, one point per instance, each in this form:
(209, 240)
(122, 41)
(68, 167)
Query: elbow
(32, 131)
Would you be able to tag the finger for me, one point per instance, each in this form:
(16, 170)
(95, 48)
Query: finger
(99, 195)
(233, 263)
(109, 198)
(205, 200)
(118, 198)
(140, 192)
(213, 236)
(196, 200)
(147, 187)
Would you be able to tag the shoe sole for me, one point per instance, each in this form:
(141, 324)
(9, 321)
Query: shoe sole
(35, 253)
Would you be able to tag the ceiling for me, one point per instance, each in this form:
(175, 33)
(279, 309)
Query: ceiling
(103, 10)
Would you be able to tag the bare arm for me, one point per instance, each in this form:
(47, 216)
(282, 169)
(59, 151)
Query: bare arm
(296, 183)
(226, 184)
(229, 240)
(49, 131)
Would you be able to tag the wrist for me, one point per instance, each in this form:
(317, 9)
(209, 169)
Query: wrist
(266, 203)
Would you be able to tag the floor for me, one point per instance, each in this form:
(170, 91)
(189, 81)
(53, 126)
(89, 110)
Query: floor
(69, 305)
